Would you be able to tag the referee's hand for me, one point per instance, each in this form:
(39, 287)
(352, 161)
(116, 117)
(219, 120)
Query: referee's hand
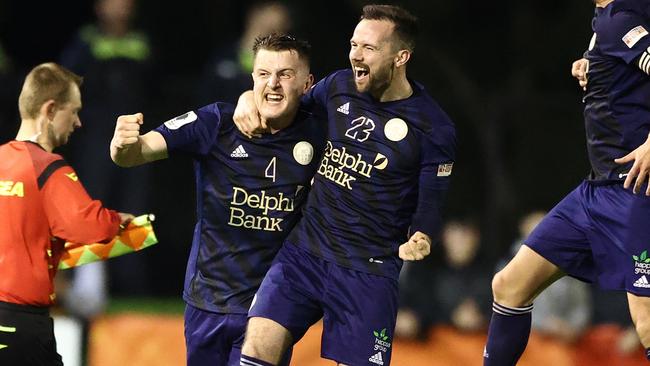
(416, 248)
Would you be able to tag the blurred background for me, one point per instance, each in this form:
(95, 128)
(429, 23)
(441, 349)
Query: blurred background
(501, 70)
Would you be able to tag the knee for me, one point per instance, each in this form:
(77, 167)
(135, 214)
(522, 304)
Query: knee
(505, 291)
(499, 287)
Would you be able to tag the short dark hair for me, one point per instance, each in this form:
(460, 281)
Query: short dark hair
(283, 42)
(406, 24)
(48, 81)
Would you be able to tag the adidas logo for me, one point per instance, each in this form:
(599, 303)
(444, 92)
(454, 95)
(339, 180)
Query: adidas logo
(345, 108)
(239, 152)
(642, 282)
(377, 359)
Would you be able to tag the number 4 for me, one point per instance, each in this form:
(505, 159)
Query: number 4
(270, 170)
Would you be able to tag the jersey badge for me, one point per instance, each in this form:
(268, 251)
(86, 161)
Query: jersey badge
(634, 36)
(444, 170)
(180, 121)
(396, 129)
(345, 108)
(303, 152)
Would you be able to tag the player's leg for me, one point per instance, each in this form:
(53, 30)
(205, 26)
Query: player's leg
(559, 241)
(266, 340)
(514, 289)
(634, 261)
(210, 337)
(359, 320)
(285, 306)
(640, 312)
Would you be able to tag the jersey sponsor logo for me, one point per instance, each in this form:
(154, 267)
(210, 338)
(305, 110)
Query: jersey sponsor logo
(634, 35)
(12, 189)
(180, 121)
(340, 166)
(396, 129)
(444, 170)
(376, 359)
(642, 282)
(73, 176)
(345, 108)
(263, 202)
(303, 152)
(239, 152)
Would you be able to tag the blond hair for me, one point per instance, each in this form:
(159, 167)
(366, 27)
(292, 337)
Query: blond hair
(48, 81)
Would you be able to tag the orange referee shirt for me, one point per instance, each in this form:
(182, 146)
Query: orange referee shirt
(42, 205)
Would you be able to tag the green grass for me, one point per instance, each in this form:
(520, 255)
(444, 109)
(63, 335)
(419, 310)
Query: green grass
(146, 305)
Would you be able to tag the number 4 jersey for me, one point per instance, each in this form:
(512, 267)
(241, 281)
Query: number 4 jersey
(249, 196)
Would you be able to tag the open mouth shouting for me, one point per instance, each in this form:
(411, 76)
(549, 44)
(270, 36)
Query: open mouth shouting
(274, 98)
(361, 73)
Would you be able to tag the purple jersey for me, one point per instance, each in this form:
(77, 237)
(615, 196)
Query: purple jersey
(383, 171)
(249, 194)
(617, 107)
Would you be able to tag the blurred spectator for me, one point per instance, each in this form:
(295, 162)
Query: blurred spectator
(229, 70)
(114, 60)
(451, 286)
(563, 310)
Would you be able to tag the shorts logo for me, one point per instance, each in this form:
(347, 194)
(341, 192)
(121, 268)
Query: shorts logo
(376, 359)
(642, 263)
(642, 282)
(382, 344)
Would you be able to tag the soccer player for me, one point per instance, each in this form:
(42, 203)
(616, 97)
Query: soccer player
(249, 192)
(43, 205)
(387, 162)
(598, 233)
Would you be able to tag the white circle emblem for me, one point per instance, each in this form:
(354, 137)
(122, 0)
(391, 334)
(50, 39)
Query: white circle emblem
(303, 152)
(396, 129)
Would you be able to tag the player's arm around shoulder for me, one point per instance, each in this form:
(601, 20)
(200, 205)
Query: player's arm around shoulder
(129, 148)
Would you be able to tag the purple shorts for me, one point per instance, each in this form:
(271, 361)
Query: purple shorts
(358, 309)
(214, 338)
(599, 234)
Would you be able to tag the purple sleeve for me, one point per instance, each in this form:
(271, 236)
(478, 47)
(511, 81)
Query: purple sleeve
(625, 35)
(193, 132)
(315, 101)
(438, 154)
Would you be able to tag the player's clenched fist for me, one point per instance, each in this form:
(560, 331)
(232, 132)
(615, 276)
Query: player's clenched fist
(127, 130)
(416, 248)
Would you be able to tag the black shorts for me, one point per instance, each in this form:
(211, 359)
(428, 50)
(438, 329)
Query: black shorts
(27, 336)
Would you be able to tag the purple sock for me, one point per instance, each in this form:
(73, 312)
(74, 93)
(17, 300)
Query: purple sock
(507, 335)
(647, 353)
(252, 361)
